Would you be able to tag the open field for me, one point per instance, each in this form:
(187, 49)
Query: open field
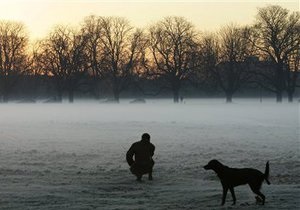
(61, 156)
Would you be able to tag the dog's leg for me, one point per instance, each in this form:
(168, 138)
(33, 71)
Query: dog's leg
(255, 189)
(233, 195)
(260, 195)
(225, 189)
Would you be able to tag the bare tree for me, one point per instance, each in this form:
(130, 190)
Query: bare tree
(208, 60)
(13, 57)
(292, 73)
(173, 45)
(46, 62)
(120, 52)
(276, 36)
(33, 74)
(52, 58)
(225, 57)
(63, 57)
(92, 29)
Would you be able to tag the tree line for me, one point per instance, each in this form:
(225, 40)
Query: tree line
(167, 55)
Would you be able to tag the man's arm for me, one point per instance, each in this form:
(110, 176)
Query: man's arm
(152, 150)
(129, 156)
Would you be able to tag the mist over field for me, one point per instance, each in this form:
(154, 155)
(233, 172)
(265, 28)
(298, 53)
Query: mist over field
(72, 156)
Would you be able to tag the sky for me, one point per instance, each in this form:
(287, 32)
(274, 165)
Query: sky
(40, 16)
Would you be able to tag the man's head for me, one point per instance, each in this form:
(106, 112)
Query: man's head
(146, 137)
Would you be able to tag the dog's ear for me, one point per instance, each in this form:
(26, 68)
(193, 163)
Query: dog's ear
(213, 162)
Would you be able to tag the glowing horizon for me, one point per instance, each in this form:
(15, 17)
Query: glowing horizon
(40, 16)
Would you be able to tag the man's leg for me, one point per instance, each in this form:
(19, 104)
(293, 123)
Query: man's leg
(150, 171)
(136, 171)
(150, 175)
(139, 177)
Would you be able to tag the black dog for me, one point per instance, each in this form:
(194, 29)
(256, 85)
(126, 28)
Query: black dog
(231, 177)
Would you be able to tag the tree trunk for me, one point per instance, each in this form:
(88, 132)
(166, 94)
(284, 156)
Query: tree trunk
(71, 96)
(229, 97)
(96, 89)
(59, 90)
(280, 82)
(176, 96)
(116, 96)
(291, 85)
(176, 87)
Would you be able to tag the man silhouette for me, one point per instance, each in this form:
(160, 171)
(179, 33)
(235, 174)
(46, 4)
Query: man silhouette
(142, 163)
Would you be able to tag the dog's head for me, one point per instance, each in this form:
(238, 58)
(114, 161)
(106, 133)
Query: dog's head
(213, 165)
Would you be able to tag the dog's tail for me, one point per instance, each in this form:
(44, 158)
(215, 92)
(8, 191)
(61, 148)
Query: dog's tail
(267, 173)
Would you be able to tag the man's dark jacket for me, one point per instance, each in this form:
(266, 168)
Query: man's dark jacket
(142, 151)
